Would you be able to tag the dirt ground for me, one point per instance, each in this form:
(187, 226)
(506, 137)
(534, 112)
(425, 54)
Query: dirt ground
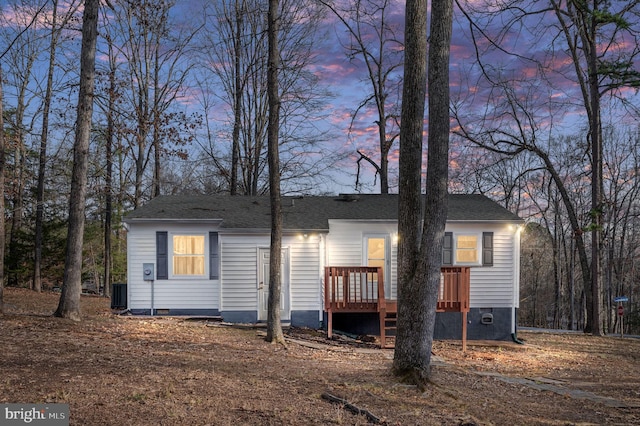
(127, 370)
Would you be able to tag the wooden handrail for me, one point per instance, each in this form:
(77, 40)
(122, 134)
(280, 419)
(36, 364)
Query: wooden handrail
(352, 287)
(453, 294)
(361, 289)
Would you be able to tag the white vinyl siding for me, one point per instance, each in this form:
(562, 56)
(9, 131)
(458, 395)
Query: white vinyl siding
(345, 244)
(236, 290)
(394, 269)
(239, 271)
(493, 286)
(239, 266)
(305, 273)
(175, 293)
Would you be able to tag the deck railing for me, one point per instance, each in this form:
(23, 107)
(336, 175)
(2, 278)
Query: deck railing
(349, 289)
(361, 289)
(453, 294)
(353, 288)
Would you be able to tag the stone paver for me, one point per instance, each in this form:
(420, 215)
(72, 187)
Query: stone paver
(554, 386)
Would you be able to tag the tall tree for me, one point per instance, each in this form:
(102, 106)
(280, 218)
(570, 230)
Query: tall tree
(597, 41)
(2, 229)
(231, 26)
(153, 49)
(373, 39)
(56, 30)
(69, 304)
(274, 326)
(236, 60)
(239, 83)
(420, 246)
(109, 138)
(27, 46)
(410, 355)
(621, 161)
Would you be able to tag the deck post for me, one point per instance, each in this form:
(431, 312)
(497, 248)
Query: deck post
(328, 294)
(464, 331)
(383, 331)
(352, 289)
(382, 309)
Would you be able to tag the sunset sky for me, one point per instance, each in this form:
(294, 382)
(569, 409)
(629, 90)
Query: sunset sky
(526, 48)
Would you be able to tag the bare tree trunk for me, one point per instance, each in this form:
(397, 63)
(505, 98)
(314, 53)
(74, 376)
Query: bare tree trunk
(157, 166)
(410, 356)
(418, 296)
(437, 180)
(108, 209)
(108, 185)
(571, 279)
(17, 208)
(274, 327)
(2, 166)
(595, 131)
(557, 279)
(373, 41)
(237, 99)
(42, 161)
(69, 304)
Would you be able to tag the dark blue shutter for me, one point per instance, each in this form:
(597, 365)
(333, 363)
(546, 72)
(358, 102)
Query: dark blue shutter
(162, 255)
(214, 256)
(487, 249)
(447, 249)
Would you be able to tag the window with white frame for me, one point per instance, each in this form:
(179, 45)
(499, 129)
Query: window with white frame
(188, 255)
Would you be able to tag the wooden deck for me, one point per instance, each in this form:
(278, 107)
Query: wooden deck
(360, 289)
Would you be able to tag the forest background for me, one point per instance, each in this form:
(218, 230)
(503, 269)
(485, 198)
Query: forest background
(181, 107)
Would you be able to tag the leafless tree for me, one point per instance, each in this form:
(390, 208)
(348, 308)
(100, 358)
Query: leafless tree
(421, 238)
(621, 162)
(536, 275)
(109, 106)
(236, 58)
(373, 39)
(2, 229)
(154, 51)
(274, 326)
(598, 40)
(69, 304)
(27, 46)
(56, 29)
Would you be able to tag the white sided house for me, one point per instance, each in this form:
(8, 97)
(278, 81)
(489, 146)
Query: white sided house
(209, 255)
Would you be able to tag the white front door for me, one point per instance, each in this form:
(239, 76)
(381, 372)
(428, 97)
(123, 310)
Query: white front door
(263, 285)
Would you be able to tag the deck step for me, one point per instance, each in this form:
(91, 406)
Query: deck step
(388, 323)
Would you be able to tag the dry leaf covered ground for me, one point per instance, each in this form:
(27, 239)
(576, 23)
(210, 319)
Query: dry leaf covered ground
(123, 370)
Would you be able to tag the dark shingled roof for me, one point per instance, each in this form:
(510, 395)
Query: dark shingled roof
(305, 213)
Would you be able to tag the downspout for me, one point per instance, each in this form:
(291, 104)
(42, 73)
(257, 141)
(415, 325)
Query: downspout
(323, 262)
(514, 332)
(126, 228)
(516, 285)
